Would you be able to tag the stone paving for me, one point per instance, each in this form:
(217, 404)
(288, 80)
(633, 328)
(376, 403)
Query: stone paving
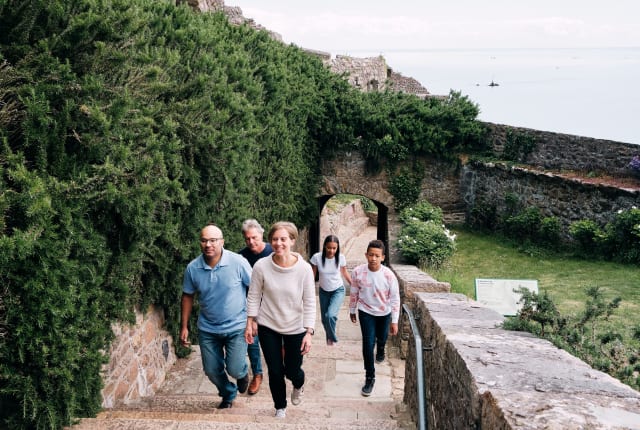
(332, 399)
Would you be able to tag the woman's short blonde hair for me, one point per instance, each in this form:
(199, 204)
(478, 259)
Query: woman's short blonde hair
(288, 226)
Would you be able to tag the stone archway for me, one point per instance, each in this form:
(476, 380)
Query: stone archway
(346, 175)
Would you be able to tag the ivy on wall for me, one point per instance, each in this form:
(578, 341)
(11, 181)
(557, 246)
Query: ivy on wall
(127, 125)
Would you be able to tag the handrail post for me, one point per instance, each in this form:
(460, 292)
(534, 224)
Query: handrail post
(422, 420)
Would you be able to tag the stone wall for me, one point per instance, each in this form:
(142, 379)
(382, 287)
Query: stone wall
(569, 152)
(568, 200)
(366, 74)
(346, 174)
(140, 355)
(479, 376)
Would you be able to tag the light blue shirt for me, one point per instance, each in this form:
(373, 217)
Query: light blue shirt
(222, 292)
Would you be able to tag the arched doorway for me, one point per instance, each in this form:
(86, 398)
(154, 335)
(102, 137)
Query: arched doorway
(353, 212)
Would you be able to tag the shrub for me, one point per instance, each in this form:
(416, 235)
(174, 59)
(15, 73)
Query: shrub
(531, 226)
(423, 211)
(588, 237)
(549, 232)
(424, 240)
(585, 335)
(622, 236)
(518, 146)
(525, 224)
(619, 240)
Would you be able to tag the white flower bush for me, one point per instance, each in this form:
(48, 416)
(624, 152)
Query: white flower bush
(424, 240)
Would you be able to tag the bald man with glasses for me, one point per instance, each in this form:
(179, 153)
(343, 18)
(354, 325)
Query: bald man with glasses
(220, 279)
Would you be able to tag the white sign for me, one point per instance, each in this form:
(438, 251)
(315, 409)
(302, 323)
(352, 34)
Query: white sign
(500, 294)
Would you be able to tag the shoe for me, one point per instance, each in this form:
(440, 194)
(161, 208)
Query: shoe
(225, 404)
(296, 395)
(379, 358)
(243, 383)
(254, 387)
(368, 387)
(281, 413)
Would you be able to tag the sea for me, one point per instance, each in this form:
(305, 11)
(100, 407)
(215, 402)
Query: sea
(593, 92)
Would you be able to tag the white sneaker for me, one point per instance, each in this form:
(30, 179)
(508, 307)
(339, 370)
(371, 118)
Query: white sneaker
(296, 395)
(281, 413)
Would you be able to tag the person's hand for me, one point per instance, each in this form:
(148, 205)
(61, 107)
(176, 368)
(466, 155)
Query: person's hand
(353, 318)
(184, 338)
(306, 344)
(248, 334)
(393, 329)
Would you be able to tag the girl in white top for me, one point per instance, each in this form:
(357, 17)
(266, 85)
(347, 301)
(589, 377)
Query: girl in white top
(331, 268)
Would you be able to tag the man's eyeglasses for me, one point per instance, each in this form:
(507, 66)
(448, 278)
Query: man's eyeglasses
(213, 240)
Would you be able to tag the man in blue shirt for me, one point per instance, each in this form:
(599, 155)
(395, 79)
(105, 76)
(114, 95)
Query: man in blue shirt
(221, 279)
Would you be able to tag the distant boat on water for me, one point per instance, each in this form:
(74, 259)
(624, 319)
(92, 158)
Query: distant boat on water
(494, 84)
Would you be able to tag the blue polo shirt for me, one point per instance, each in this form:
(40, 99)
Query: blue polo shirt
(221, 290)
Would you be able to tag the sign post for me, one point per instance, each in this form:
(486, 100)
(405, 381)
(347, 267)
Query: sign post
(500, 294)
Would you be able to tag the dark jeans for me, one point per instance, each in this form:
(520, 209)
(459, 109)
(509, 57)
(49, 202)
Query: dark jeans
(375, 331)
(290, 366)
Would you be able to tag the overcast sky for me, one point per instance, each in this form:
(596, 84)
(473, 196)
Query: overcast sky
(340, 27)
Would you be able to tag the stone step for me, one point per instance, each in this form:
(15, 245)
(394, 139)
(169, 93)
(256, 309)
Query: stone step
(264, 423)
(369, 407)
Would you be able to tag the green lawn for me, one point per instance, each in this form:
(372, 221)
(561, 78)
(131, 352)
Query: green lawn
(480, 255)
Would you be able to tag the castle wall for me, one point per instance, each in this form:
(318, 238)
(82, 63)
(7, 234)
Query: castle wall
(560, 151)
(139, 358)
(479, 376)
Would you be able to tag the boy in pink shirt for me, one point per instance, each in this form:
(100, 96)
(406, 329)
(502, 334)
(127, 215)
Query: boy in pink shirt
(376, 296)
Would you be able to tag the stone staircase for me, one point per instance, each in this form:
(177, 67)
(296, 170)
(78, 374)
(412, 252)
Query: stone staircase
(332, 399)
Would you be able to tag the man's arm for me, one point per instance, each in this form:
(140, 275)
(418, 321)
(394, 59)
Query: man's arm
(186, 306)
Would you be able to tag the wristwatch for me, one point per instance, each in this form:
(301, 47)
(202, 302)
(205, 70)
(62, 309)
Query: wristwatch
(311, 331)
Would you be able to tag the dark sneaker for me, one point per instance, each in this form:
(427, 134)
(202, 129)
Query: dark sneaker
(243, 383)
(225, 404)
(368, 387)
(380, 358)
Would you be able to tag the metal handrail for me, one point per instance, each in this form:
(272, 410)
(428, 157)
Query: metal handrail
(422, 419)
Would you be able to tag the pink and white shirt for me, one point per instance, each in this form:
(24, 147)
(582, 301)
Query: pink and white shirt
(376, 293)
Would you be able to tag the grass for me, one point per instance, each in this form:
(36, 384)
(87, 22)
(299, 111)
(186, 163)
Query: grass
(565, 278)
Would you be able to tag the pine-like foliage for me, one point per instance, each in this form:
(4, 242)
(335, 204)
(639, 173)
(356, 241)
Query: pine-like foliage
(126, 125)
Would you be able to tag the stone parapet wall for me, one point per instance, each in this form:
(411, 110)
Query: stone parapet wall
(366, 74)
(479, 376)
(569, 152)
(140, 356)
(568, 200)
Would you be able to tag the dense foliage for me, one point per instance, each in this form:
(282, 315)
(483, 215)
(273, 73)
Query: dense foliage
(618, 240)
(124, 127)
(526, 224)
(423, 239)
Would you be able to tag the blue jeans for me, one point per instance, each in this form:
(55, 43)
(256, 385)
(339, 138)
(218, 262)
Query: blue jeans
(375, 331)
(330, 302)
(253, 349)
(224, 353)
(279, 367)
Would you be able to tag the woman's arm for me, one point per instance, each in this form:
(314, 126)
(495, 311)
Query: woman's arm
(345, 274)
